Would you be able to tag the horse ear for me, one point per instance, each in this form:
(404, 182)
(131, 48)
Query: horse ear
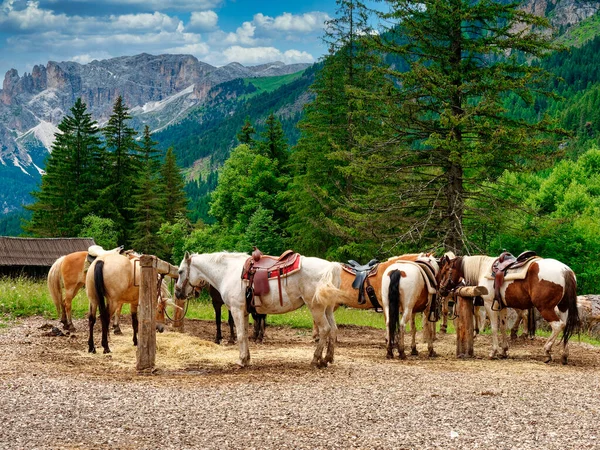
(187, 256)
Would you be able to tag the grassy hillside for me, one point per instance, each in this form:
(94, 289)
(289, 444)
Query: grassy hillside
(581, 33)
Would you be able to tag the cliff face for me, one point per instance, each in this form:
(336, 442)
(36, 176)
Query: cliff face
(563, 13)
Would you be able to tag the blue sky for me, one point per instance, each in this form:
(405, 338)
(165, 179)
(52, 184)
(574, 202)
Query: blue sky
(215, 31)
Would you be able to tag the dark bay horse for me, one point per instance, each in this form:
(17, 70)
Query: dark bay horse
(549, 285)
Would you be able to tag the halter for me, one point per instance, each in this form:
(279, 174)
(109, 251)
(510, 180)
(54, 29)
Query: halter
(186, 281)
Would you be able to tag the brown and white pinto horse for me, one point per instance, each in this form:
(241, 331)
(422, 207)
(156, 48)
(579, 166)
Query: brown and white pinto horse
(549, 285)
(405, 288)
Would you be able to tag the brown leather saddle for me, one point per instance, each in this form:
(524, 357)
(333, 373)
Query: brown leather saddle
(501, 266)
(362, 273)
(260, 268)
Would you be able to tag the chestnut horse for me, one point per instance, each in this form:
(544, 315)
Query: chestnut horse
(549, 285)
(406, 287)
(114, 278)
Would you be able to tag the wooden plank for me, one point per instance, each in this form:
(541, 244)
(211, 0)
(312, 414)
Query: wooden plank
(164, 268)
(471, 291)
(178, 316)
(464, 327)
(146, 351)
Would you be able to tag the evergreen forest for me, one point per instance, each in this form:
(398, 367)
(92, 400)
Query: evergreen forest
(448, 129)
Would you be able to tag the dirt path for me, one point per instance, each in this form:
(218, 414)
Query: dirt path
(53, 394)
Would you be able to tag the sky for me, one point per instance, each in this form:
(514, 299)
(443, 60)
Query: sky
(214, 31)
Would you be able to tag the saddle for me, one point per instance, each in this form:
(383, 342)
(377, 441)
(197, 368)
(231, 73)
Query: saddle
(362, 274)
(260, 268)
(502, 265)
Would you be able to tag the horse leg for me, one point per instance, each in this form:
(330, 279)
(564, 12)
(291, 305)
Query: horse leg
(413, 333)
(444, 325)
(557, 323)
(217, 308)
(494, 325)
(332, 335)
(231, 329)
(134, 323)
(402, 332)
(116, 318)
(315, 332)
(514, 331)
(320, 319)
(503, 326)
(67, 306)
(91, 322)
(259, 327)
(241, 325)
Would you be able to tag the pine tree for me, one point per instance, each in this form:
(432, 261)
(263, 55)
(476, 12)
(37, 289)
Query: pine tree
(244, 136)
(439, 129)
(71, 179)
(148, 201)
(125, 162)
(175, 201)
(273, 144)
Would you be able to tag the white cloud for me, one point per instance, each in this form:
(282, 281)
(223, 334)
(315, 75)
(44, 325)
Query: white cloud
(259, 55)
(163, 5)
(156, 21)
(203, 20)
(307, 23)
(243, 35)
(31, 17)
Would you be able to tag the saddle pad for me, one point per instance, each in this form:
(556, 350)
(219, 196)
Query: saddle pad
(426, 273)
(520, 273)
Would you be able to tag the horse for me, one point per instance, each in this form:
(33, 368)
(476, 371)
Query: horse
(217, 302)
(112, 277)
(549, 285)
(312, 286)
(405, 286)
(68, 271)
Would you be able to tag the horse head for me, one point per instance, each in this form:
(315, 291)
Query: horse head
(185, 286)
(450, 274)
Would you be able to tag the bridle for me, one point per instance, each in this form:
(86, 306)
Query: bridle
(186, 280)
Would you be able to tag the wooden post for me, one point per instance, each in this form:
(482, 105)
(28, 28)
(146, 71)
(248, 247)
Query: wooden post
(146, 351)
(464, 327)
(464, 321)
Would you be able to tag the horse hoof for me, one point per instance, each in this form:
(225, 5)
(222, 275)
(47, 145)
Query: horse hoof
(402, 356)
(414, 352)
(106, 350)
(92, 350)
(117, 331)
(432, 354)
(564, 360)
(548, 359)
(389, 354)
(443, 330)
(217, 341)
(513, 336)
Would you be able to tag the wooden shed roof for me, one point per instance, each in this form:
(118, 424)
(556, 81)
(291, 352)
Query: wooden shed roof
(16, 251)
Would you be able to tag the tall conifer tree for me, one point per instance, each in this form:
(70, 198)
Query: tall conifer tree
(175, 201)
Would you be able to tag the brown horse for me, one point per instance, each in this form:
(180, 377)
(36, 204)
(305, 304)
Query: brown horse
(114, 278)
(549, 285)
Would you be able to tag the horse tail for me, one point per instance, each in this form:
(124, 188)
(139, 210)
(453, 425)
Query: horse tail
(394, 305)
(531, 322)
(569, 304)
(55, 285)
(101, 291)
(328, 290)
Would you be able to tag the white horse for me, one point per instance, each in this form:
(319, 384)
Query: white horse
(314, 285)
(405, 287)
(549, 285)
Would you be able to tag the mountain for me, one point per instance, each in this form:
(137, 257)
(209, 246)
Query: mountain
(159, 90)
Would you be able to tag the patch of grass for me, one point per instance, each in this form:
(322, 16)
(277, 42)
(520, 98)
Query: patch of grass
(269, 84)
(20, 297)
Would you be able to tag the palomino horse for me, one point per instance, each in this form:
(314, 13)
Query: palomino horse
(113, 277)
(68, 272)
(406, 287)
(312, 286)
(549, 285)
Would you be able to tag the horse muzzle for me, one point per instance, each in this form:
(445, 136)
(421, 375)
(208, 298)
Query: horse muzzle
(160, 327)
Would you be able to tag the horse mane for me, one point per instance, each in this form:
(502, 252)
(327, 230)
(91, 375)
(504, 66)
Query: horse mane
(218, 257)
(473, 266)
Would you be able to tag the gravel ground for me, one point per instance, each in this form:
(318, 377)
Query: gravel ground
(54, 395)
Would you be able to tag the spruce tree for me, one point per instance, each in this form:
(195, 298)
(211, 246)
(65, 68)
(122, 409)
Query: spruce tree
(273, 144)
(70, 182)
(172, 183)
(125, 162)
(244, 136)
(148, 201)
(439, 128)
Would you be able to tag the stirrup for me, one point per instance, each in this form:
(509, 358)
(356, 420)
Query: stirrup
(499, 303)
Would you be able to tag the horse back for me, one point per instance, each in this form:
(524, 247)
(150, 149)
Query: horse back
(71, 269)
